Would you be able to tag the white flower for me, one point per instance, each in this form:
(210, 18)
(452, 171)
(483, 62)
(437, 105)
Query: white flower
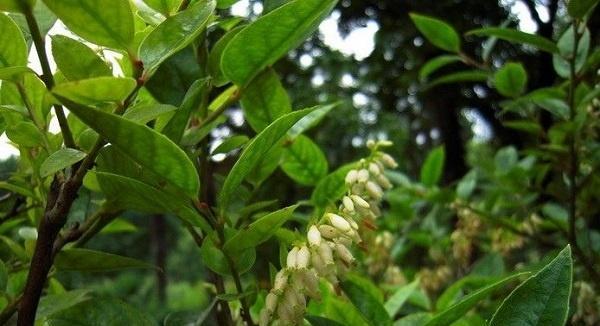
(325, 252)
(310, 279)
(314, 236)
(339, 222)
(388, 161)
(264, 318)
(348, 204)
(292, 258)
(344, 253)
(371, 144)
(280, 281)
(374, 169)
(363, 175)
(383, 181)
(359, 201)
(328, 231)
(271, 302)
(302, 257)
(374, 190)
(351, 177)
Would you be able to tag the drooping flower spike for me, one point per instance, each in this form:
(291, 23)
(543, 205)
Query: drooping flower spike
(326, 252)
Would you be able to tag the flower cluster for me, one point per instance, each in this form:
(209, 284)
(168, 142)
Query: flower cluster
(326, 251)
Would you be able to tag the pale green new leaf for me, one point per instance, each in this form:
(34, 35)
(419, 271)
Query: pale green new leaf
(515, 36)
(511, 79)
(259, 231)
(153, 150)
(267, 39)
(76, 60)
(103, 22)
(59, 160)
(13, 50)
(304, 161)
(175, 33)
(433, 167)
(96, 90)
(543, 299)
(254, 151)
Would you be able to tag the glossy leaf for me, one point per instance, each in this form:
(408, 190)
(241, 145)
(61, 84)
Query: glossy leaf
(194, 98)
(14, 73)
(433, 167)
(96, 90)
(515, 36)
(230, 144)
(175, 33)
(437, 63)
(368, 306)
(13, 50)
(24, 134)
(54, 303)
(85, 260)
(304, 162)
(165, 7)
(459, 77)
(579, 8)
(543, 299)
(103, 22)
(312, 119)
(561, 61)
(59, 160)
(250, 51)
(145, 113)
(330, 188)
(511, 79)
(397, 300)
(264, 100)
(76, 60)
(321, 321)
(439, 33)
(152, 151)
(253, 152)
(259, 231)
(3, 276)
(213, 257)
(214, 58)
(100, 312)
(458, 310)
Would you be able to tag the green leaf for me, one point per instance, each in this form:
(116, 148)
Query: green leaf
(252, 154)
(330, 188)
(104, 22)
(511, 79)
(561, 61)
(96, 90)
(12, 5)
(24, 134)
(214, 58)
(515, 36)
(59, 160)
(436, 63)
(368, 306)
(543, 299)
(145, 113)
(259, 231)
(579, 8)
(100, 312)
(128, 193)
(304, 162)
(152, 151)
(213, 257)
(119, 225)
(264, 100)
(310, 120)
(3, 276)
(13, 50)
(85, 260)
(461, 76)
(165, 7)
(224, 4)
(397, 300)
(175, 33)
(267, 39)
(321, 321)
(76, 60)
(53, 303)
(458, 310)
(195, 97)
(230, 144)
(433, 167)
(15, 73)
(438, 32)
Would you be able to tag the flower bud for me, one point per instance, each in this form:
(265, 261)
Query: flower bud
(317, 262)
(389, 161)
(363, 175)
(328, 231)
(284, 312)
(311, 284)
(280, 282)
(371, 144)
(359, 201)
(354, 225)
(264, 318)
(351, 177)
(291, 260)
(326, 253)
(348, 204)
(354, 236)
(385, 143)
(374, 190)
(374, 169)
(314, 236)
(303, 257)
(339, 222)
(271, 302)
(344, 253)
(383, 181)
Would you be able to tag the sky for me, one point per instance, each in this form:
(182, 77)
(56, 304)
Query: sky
(359, 43)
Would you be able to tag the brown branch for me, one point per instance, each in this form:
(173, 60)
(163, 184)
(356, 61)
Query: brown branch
(533, 12)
